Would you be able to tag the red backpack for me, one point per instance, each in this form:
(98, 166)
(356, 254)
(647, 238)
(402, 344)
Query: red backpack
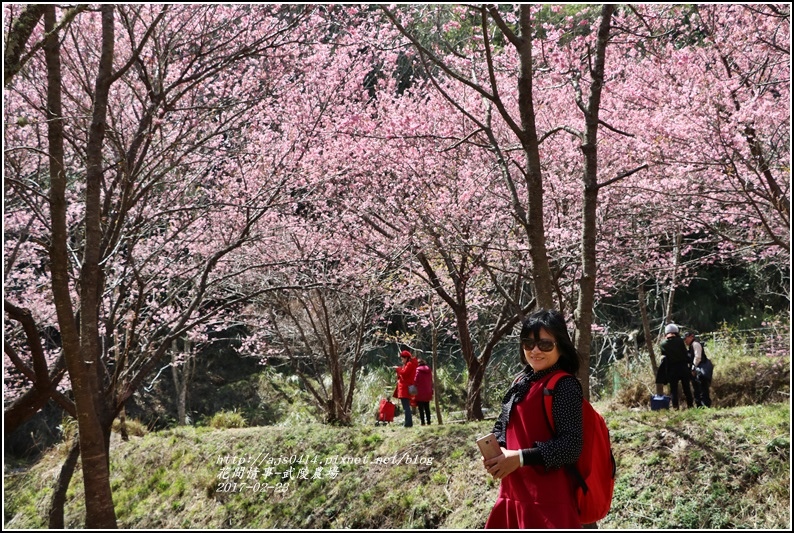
(596, 467)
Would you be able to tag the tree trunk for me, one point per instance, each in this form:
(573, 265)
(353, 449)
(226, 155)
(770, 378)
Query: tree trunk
(473, 365)
(536, 233)
(81, 347)
(360, 333)
(668, 313)
(434, 343)
(58, 501)
(474, 390)
(587, 283)
(85, 367)
(338, 413)
(125, 436)
(342, 415)
(646, 327)
(182, 374)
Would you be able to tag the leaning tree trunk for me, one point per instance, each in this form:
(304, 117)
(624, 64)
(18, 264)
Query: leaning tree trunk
(646, 328)
(58, 501)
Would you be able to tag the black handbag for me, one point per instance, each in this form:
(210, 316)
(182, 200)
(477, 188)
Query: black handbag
(705, 370)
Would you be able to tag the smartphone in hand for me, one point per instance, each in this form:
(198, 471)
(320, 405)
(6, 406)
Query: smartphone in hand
(489, 447)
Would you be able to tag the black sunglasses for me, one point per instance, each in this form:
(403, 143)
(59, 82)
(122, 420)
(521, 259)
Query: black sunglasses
(544, 345)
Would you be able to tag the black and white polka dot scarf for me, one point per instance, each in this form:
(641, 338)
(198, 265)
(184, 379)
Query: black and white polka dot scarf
(517, 391)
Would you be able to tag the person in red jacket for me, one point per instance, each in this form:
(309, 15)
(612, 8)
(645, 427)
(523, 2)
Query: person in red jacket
(424, 390)
(405, 378)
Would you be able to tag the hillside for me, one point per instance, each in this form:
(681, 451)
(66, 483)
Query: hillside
(718, 468)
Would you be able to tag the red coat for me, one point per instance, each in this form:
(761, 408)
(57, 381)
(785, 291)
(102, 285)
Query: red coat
(424, 383)
(405, 377)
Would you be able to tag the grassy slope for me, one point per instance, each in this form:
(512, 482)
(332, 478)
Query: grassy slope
(719, 468)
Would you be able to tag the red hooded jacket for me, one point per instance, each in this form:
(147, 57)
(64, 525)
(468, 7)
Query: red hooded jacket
(424, 383)
(405, 377)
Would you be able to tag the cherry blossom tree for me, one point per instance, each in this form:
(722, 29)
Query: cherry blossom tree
(319, 333)
(171, 171)
(149, 190)
(432, 220)
(704, 83)
(725, 136)
(569, 89)
(510, 87)
(323, 317)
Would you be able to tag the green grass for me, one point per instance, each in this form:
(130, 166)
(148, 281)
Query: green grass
(699, 469)
(702, 469)
(727, 467)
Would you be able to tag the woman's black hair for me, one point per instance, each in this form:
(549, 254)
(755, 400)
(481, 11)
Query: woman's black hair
(553, 322)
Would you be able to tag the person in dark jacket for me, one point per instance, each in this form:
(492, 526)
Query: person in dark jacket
(405, 378)
(676, 353)
(424, 390)
(536, 491)
(701, 370)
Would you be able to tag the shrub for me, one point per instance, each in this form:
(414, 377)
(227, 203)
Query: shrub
(134, 427)
(226, 419)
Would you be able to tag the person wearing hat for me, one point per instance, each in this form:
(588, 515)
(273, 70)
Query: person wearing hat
(405, 378)
(701, 370)
(677, 360)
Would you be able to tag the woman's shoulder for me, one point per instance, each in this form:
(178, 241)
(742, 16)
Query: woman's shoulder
(568, 384)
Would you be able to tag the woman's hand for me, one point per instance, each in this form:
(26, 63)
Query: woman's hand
(502, 465)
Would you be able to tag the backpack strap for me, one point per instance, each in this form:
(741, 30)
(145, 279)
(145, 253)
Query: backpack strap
(548, 399)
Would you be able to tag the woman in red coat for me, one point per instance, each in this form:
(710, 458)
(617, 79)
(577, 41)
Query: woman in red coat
(536, 491)
(405, 378)
(424, 390)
